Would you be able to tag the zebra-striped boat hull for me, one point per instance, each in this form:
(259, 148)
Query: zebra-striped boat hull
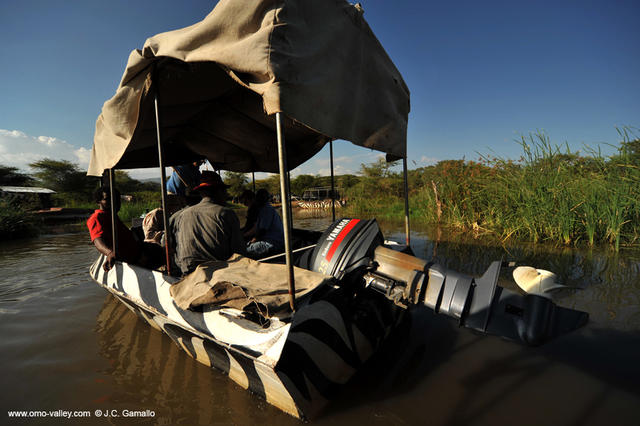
(295, 365)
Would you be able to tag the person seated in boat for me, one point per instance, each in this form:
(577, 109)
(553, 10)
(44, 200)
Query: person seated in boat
(153, 222)
(248, 199)
(208, 230)
(129, 249)
(266, 236)
(184, 178)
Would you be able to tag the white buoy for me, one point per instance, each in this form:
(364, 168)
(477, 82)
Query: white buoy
(536, 281)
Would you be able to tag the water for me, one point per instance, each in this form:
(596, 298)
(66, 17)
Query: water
(68, 345)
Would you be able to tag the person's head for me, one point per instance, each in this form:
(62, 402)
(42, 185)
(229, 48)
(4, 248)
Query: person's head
(102, 196)
(247, 197)
(211, 186)
(262, 196)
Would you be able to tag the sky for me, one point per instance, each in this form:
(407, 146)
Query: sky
(481, 74)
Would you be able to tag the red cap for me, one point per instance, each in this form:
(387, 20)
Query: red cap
(210, 179)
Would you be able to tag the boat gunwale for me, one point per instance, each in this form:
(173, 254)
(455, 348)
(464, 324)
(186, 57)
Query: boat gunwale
(154, 311)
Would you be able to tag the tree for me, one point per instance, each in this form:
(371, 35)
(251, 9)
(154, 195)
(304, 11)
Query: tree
(347, 181)
(62, 176)
(11, 176)
(379, 169)
(302, 182)
(237, 181)
(127, 185)
(271, 184)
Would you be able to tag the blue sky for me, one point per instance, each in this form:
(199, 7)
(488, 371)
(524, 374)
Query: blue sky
(480, 73)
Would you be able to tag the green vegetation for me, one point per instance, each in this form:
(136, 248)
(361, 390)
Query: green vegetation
(73, 189)
(11, 176)
(551, 194)
(15, 222)
(237, 183)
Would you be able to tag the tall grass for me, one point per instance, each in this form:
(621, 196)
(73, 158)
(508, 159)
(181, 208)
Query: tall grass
(130, 210)
(550, 194)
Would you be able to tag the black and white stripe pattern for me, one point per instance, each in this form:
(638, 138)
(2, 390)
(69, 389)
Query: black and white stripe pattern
(296, 366)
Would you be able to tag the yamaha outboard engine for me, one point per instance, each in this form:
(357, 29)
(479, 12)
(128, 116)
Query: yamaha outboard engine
(353, 249)
(346, 246)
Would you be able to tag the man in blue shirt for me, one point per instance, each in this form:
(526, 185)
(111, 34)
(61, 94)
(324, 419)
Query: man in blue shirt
(267, 234)
(186, 176)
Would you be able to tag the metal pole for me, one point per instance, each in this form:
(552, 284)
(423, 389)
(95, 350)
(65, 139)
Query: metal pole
(406, 200)
(286, 213)
(114, 231)
(163, 186)
(289, 200)
(253, 179)
(333, 189)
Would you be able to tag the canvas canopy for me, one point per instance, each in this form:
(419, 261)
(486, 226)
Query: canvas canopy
(220, 81)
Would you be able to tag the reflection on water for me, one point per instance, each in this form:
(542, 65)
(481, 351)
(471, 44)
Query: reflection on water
(179, 388)
(67, 344)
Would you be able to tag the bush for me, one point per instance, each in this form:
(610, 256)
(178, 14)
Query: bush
(16, 222)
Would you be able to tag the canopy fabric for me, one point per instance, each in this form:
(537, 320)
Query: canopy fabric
(220, 82)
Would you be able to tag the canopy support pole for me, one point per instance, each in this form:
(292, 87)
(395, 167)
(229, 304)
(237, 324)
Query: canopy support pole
(333, 189)
(406, 200)
(286, 209)
(253, 179)
(163, 186)
(289, 199)
(114, 231)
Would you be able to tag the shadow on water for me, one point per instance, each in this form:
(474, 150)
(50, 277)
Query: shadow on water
(456, 377)
(460, 377)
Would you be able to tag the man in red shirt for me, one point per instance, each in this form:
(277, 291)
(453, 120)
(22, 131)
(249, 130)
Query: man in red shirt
(99, 224)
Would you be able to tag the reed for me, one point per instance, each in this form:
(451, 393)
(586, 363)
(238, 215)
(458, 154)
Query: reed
(550, 194)
(130, 210)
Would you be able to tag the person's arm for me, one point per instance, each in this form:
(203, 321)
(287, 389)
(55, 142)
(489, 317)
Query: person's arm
(248, 235)
(263, 222)
(103, 248)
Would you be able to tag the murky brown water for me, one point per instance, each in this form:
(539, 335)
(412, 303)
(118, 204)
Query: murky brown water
(66, 344)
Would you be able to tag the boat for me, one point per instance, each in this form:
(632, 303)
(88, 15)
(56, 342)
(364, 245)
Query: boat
(263, 86)
(57, 215)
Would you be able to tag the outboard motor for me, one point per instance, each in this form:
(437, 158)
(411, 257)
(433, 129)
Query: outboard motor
(346, 246)
(354, 247)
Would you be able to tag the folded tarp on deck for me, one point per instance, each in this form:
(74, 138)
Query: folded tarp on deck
(243, 283)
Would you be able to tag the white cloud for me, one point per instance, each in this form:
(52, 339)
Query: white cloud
(428, 161)
(345, 164)
(338, 169)
(17, 149)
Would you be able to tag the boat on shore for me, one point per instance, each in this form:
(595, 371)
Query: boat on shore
(232, 89)
(58, 215)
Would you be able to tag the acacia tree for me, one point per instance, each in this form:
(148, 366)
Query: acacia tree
(11, 176)
(271, 184)
(237, 181)
(302, 182)
(127, 185)
(62, 176)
